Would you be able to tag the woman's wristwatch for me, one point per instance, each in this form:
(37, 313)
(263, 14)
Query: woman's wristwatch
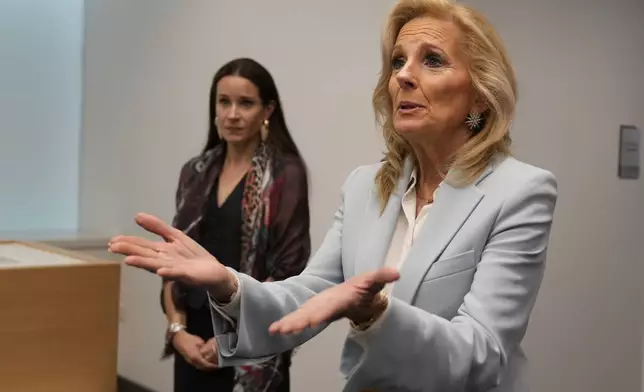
(173, 329)
(380, 303)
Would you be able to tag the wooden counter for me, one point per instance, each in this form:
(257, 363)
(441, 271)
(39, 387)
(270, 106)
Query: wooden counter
(58, 320)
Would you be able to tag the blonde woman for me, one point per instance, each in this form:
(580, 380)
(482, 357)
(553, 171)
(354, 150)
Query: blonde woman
(435, 255)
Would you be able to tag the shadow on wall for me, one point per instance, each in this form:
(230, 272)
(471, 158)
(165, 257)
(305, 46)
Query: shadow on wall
(125, 385)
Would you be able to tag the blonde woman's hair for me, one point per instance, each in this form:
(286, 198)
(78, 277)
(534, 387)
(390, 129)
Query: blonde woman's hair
(492, 77)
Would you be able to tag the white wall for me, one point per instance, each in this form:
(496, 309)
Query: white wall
(146, 88)
(579, 66)
(40, 113)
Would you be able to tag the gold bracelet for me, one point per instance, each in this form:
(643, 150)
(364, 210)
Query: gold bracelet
(381, 301)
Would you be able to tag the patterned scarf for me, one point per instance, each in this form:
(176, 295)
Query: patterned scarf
(255, 211)
(255, 208)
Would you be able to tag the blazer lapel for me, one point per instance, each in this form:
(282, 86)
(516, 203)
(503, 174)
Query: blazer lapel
(451, 209)
(379, 228)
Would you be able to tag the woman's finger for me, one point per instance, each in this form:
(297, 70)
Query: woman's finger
(376, 280)
(134, 240)
(152, 264)
(171, 272)
(204, 364)
(157, 226)
(198, 361)
(172, 249)
(323, 308)
(293, 326)
(130, 249)
(295, 322)
(208, 351)
(185, 246)
(154, 225)
(285, 326)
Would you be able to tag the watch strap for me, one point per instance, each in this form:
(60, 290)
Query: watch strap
(381, 301)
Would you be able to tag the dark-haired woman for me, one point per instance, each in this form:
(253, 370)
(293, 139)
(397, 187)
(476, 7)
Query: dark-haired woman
(245, 200)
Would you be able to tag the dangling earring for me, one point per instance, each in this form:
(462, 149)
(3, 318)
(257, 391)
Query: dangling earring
(264, 131)
(473, 121)
(216, 124)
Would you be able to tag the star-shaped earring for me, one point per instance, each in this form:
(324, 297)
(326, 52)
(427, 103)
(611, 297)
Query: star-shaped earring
(473, 120)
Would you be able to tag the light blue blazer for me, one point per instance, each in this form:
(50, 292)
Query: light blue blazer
(461, 307)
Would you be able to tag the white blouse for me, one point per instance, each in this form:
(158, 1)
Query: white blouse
(407, 228)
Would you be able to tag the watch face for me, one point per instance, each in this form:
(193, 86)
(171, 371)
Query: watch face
(175, 327)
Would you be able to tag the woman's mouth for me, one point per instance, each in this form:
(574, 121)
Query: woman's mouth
(408, 106)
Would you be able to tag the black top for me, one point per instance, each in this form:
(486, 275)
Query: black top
(220, 234)
(220, 230)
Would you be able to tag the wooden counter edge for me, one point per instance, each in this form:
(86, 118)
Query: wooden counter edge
(89, 259)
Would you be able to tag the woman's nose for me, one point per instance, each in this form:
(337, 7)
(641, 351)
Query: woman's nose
(406, 77)
(233, 113)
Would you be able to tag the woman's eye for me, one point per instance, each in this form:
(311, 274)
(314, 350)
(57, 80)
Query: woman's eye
(397, 63)
(224, 101)
(247, 104)
(433, 60)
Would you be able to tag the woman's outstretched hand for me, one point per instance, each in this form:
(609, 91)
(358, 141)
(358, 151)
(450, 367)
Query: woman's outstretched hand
(175, 244)
(178, 257)
(353, 299)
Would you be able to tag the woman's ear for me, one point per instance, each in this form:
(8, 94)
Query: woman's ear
(269, 109)
(479, 105)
